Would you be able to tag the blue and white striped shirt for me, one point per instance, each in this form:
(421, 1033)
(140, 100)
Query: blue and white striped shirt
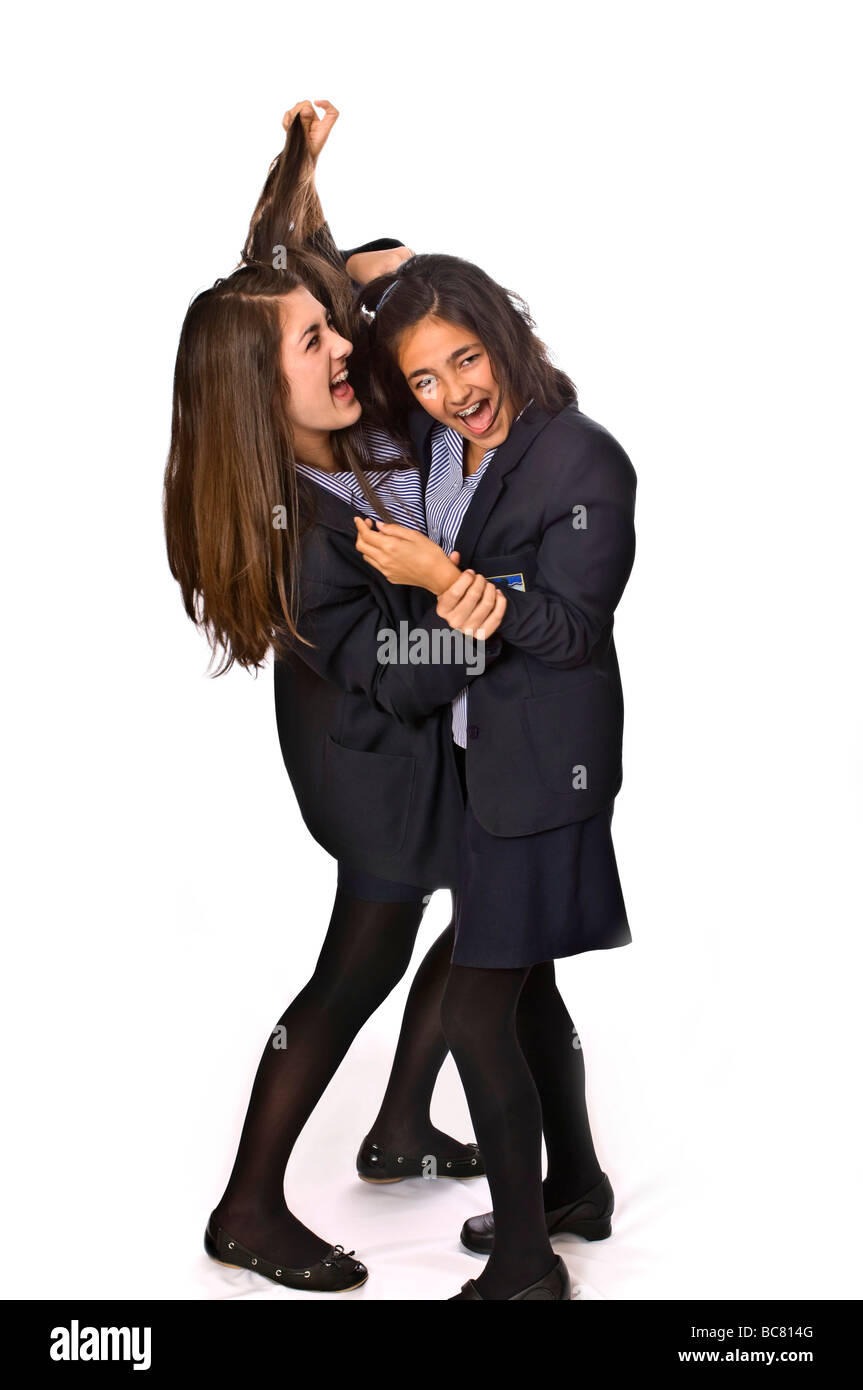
(400, 489)
(448, 495)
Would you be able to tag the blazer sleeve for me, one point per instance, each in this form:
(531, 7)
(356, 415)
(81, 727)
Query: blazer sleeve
(322, 241)
(584, 560)
(383, 243)
(344, 622)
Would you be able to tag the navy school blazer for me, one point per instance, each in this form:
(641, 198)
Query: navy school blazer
(368, 744)
(368, 747)
(552, 519)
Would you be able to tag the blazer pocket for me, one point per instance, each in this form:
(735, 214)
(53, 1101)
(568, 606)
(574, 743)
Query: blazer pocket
(367, 796)
(516, 569)
(576, 739)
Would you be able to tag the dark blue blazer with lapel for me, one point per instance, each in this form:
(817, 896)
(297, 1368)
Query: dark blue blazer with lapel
(368, 745)
(556, 508)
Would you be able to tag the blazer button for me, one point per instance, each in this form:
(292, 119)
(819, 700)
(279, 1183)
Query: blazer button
(472, 731)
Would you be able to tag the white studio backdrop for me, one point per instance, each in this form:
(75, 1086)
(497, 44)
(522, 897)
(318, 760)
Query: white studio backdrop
(672, 187)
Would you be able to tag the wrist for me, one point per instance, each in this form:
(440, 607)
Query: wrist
(445, 574)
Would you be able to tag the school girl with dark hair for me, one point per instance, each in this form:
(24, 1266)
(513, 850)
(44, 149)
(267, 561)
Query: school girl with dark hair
(539, 498)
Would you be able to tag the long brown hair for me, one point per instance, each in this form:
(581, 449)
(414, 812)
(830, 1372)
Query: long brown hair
(458, 292)
(231, 461)
(288, 212)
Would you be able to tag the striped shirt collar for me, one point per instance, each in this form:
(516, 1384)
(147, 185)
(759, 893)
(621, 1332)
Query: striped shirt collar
(455, 441)
(449, 489)
(400, 489)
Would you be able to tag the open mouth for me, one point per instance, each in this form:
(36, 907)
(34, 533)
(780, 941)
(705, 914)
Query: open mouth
(478, 417)
(341, 388)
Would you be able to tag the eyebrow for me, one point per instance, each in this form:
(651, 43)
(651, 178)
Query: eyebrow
(422, 371)
(312, 328)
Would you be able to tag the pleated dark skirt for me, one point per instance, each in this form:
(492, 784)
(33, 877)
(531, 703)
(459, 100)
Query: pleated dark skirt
(530, 898)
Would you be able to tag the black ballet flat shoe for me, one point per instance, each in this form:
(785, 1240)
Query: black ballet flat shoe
(589, 1216)
(337, 1272)
(375, 1164)
(554, 1287)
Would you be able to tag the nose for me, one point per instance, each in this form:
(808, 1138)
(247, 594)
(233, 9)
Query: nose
(458, 404)
(341, 347)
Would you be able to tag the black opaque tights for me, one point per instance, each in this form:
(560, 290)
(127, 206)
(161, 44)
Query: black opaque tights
(366, 952)
(522, 1069)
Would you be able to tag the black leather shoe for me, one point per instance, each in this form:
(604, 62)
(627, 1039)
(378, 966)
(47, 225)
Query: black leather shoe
(554, 1287)
(335, 1273)
(375, 1164)
(589, 1216)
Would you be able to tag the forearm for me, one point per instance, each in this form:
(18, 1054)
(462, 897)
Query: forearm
(407, 671)
(431, 665)
(405, 556)
(382, 243)
(442, 576)
(548, 628)
(580, 580)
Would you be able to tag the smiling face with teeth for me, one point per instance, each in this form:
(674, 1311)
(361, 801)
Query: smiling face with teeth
(315, 363)
(450, 373)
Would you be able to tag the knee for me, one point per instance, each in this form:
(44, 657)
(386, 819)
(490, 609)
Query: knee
(382, 977)
(354, 991)
(478, 1009)
(457, 1017)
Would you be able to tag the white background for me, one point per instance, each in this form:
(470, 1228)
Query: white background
(674, 188)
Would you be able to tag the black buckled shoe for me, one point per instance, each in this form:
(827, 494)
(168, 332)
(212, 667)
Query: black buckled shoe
(554, 1287)
(337, 1272)
(589, 1216)
(375, 1164)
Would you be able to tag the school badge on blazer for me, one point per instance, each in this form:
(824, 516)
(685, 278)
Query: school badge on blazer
(508, 581)
(508, 569)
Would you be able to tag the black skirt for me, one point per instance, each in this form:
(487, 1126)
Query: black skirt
(524, 899)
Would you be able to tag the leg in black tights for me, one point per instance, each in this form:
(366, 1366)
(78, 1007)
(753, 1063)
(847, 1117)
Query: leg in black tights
(479, 1022)
(366, 952)
(404, 1122)
(553, 1052)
